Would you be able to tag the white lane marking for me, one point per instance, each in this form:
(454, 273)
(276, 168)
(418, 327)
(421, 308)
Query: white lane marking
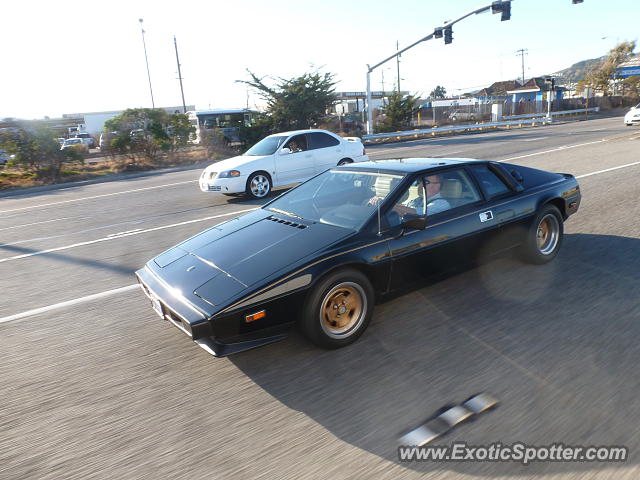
(97, 196)
(19, 316)
(121, 235)
(608, 169)
(68, 303)
(564, 147)
(38, 223)
(532, 139)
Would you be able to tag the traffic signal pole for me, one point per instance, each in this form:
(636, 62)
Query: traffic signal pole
(495, 6)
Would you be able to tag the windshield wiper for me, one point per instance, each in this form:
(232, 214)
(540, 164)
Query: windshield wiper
(277, 210)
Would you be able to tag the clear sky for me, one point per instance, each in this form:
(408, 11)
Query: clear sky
(62, 57)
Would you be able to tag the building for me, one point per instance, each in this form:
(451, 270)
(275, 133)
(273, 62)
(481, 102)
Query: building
(93, 122)
(629, 68)
(352, 102)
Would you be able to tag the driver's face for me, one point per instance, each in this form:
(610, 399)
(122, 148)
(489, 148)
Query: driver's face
(433, 185)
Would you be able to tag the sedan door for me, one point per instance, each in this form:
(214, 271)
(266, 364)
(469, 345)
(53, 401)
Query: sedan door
(327, 150)
(296, 166)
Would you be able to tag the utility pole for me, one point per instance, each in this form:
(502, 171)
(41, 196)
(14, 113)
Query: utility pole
(398, 63)
(521, 53)
(153, 105)
(184, 105)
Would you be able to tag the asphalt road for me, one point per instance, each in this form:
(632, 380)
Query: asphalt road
(100, 388)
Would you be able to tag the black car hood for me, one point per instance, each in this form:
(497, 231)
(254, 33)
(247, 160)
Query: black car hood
(237, 254)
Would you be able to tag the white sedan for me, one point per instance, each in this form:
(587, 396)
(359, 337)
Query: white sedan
(281, 159)
(632, 116)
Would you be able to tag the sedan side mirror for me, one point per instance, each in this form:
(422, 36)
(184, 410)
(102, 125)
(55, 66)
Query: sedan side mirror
(285, 151)
(414, 222)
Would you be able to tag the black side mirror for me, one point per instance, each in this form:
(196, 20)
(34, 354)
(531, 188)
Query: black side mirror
(415, 222)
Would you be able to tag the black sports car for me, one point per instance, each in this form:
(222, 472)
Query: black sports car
(319, 254)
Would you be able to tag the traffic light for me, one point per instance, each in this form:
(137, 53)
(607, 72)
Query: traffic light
(437, 32)
(448, 35)
(506, 11)
(503, 7)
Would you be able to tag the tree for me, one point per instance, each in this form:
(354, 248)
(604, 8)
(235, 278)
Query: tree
(631, 85)
(145, 133)
(297, 103)
(36, 150)
(398, 112)
(600, 75)
(438, 92)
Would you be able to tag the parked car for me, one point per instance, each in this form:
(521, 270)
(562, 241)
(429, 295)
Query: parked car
(460, 115)
(632, 116)
(281, 159)
(320, 254)
(105, 139)
(86, 139)
(4, 157)
(76, 143)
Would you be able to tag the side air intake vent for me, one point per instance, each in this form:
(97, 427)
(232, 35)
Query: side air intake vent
(286, 222)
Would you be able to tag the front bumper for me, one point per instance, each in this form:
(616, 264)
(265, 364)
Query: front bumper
(195, 324)
(223, 185)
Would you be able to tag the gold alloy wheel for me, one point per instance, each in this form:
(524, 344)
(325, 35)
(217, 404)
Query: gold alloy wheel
(547, 234)
(343, 309)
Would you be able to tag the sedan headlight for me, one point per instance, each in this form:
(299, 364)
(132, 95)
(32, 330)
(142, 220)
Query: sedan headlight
(229, 174)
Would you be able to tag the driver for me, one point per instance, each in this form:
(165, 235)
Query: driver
(435, 202)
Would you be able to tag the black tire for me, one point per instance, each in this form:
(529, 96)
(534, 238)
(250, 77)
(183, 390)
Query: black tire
(345, 161)
(544, 237)
(258, 185)
(349, 289)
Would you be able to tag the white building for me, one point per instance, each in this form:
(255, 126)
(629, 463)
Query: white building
(94, 121)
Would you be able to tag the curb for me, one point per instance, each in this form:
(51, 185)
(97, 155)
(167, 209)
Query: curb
(16, 191)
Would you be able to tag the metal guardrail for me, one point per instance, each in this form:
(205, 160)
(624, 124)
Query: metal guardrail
(451, 128)
(513, 120)
(553, 114)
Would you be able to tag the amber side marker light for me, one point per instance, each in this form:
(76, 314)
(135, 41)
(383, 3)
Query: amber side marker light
(255, 316)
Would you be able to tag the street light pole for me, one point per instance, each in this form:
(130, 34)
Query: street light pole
(144, 45)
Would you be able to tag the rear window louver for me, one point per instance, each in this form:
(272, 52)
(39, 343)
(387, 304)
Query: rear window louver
(286, 222)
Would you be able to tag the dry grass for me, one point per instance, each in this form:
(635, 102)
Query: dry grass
(97, 167)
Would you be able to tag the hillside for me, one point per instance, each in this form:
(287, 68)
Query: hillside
(577, 71)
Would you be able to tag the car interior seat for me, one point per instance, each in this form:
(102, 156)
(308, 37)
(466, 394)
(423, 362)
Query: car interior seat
(451, 190)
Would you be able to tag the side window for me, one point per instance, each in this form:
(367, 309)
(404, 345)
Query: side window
(489, 181)
(322, 140)
(297, 143)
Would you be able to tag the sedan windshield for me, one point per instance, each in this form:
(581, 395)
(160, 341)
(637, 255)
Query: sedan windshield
(343, 198)
(266, 146)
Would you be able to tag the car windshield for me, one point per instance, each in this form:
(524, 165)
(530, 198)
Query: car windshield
(266, 146)
(72, 141)
(339, 197)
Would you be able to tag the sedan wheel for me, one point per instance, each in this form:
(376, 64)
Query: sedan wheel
(338, 309)
(258, 185)
(544, 236)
